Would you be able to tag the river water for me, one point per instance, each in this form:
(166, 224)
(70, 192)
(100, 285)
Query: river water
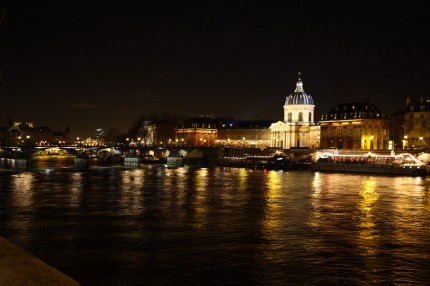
(154, 225)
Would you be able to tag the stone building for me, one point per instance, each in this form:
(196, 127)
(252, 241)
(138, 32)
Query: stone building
(197, 131)
(417, 123)
(355, 126)
(294, 130)
(244, 133)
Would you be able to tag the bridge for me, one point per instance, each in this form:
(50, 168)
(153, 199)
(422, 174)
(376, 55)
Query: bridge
(36, 151)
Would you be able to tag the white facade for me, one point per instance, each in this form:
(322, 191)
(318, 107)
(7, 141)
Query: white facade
(294, 131)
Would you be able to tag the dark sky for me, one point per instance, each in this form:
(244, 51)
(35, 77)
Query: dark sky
(90, 64)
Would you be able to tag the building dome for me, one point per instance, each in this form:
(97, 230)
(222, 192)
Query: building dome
(299, 96)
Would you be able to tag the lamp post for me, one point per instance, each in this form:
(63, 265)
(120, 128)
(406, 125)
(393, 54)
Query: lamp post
(405, 138)
(139, 145)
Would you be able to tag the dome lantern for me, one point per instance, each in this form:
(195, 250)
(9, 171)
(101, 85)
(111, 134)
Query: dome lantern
(299, 96)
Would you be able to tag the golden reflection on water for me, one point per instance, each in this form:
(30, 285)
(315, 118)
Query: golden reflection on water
(427, 197)
(367, 233)
(201, 182)
(131, 193)
(76, 189)
(201, 179)
(409, 219)
(22, 189)
(273, 208)
(317, 188)
(243, 179)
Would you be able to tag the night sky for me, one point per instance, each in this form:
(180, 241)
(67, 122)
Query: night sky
(90, 64)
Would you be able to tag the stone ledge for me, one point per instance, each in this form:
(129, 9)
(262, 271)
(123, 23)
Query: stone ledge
(18, 267)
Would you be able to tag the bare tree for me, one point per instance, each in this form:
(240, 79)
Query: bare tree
(153, 129)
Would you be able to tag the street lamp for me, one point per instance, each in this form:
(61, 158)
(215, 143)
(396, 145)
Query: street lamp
(405, 138)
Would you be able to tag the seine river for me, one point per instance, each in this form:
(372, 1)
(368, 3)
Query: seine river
(220, 226)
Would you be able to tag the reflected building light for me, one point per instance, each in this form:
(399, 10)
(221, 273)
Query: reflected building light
(22, 193)
(131, 193)
(316, 185)
(201, 179)
(368, 236)
(22, 189)
(76, 189)
(243, 179)
(273, 208)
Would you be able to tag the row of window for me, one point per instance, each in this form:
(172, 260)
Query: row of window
(354, 130)
(202, 125)
(290, 117)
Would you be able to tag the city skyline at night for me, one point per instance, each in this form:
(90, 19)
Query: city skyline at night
(91, 65)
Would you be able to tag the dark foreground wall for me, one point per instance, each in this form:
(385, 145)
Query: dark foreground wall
(18, 267)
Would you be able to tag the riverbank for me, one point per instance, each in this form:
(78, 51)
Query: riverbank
(18, 267)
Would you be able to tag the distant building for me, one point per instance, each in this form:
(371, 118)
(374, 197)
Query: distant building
(294, 130)
(397, 130)
(100, 133)
(26, 134)
(197, 131)
(417, 123)
(355, 126)
(245, 133)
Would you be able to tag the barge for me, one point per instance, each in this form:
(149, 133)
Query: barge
(403, 164)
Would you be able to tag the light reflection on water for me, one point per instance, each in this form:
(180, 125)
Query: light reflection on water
(159, 226)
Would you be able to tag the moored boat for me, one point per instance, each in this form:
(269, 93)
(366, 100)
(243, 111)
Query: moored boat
(402, 164)
(273, 162)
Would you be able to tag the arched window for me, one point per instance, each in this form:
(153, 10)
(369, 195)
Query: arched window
(300, 116)
(310, 117)
(290, 117)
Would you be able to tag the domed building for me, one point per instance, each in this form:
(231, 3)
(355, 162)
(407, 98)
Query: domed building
(295, 130)
(355, 125)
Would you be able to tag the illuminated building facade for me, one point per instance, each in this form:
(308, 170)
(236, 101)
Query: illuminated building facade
(355, 126)
(295, 130)
(27, 134)
(244, 133)
(198, 131)
(314, 136)
(417, 123)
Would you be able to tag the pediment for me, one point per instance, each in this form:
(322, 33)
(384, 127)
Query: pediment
(279, 124)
